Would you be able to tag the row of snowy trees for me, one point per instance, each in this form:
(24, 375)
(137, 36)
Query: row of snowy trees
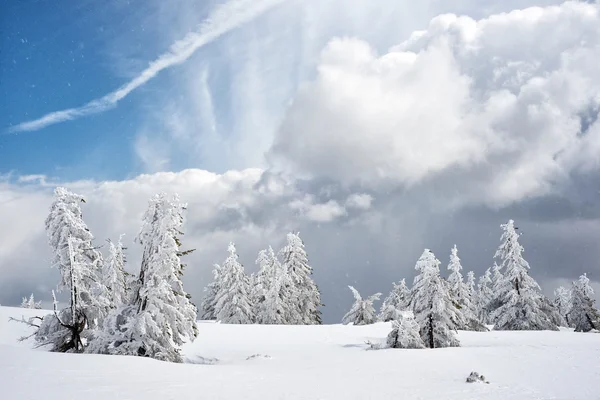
(282, 292)
(110, 311)
(507, 298)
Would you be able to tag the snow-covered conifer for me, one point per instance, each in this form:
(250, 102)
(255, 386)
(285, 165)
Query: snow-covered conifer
(233, 300)
(362, 311)
(405, 333)
(114, 276)
(434, 309)
(583, 316)
(497, 285)
(295, 260)
(458, 289)
(563, 302)
(522, 303)
(162, 316)
(80, 267)
(485, 294)
(277, 304)
(31, 303)
(470, 283)
(396, 302)
(209, 301)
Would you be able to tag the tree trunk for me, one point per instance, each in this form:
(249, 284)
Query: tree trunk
(431, 341)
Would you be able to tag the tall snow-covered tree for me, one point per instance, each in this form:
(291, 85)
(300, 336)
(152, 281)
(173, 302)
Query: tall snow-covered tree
(485, 294)
(433, 306)
(295, 260)
(362, 311)
(233, 300)
(80, 267)
(396, 302)
(583, 316)
(114, 277)
(563, 303)
(162, 316)
(277, 299)
(209, 302)
(405, 333)
(31, 303)
(523, 305)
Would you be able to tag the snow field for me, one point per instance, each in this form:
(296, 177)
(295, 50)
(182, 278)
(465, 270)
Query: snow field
(327, 362)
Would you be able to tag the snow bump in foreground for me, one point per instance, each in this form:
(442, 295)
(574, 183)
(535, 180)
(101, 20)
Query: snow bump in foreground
(309, 362)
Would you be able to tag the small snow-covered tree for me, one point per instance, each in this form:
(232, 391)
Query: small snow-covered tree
(462, 293)
(31, 303)
(362, 311)
(563, 302)
(233, 301)
(457, 286)
(276, 299)
(497, 286)
(295, 260)
(396, 302)
(209, 301)
(405, 333)
(523, 306)
(162, 317)
(485, 294)
(470, 283)
(584, 316)
(114, 276)
(434, 309)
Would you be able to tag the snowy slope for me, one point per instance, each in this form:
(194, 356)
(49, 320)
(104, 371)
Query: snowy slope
(311, 362)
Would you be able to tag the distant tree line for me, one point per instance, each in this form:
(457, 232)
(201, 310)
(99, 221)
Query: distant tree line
(506, 297)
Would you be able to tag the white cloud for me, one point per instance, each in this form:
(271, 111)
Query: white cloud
(319, 212)
(223, 19)
(492, 105)
(360, 201)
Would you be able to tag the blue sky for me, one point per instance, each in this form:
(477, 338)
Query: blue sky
(55, 58)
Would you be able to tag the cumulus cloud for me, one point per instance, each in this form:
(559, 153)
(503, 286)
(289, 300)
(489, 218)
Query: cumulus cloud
(494, 105)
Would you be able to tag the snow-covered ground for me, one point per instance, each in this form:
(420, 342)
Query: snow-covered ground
(309, 362)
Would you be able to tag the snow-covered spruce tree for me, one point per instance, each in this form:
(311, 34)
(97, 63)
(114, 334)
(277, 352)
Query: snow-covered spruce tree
(295, 260)
(462, 293)
(485, 294)
(162, 316)
(80, 267)
(233, 300)
(31, 303)
(472, 293)
(497, 285)
(396, 302)
(434, 308)
(405, 333)
(563, 302)
(209, 301)
(277, 299)
(114, 276)
(522, 303)
(362, 311)
(583, 316)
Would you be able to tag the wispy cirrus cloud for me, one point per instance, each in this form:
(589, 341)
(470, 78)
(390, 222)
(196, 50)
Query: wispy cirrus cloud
(220, 21)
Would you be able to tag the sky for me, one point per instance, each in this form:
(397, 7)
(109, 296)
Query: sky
(375, 128)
